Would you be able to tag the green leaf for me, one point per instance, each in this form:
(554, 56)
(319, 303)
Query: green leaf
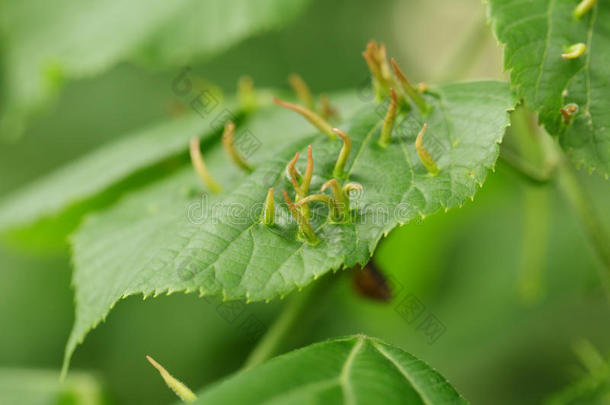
(50, 208)
(44, 45)
(535, 34)
(352, 370)
(42, 387)
(202, 28)
(94, 173)
(160, 239)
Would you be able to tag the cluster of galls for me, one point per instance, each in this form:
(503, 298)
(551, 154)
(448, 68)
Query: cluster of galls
(385, 84)
(338, 203)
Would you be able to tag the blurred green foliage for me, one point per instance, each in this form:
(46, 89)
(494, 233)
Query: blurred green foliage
(467, 267)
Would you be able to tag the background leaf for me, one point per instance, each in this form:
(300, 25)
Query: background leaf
(350, 370)
(79, 39)
(535, 34)
(202, 28)
(94, 173)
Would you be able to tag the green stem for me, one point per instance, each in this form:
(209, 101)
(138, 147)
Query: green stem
(530, 145)
(524, 168)
(534, 243)
(556, 166)
(291, 312)
(572, 189)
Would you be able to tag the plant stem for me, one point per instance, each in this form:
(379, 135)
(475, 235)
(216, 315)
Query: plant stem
(556, 166)
(524, 168)
(291, 312)
(574, 192)
(534, 246)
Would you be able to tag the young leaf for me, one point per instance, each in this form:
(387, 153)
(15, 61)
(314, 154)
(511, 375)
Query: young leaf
(160, 240)
(76, 39)
(352, 370)
(536, 34)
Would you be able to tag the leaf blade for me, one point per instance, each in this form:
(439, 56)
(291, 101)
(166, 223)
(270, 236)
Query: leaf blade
(347, 370)
(535, 36)
(131, 249)
(93, 173)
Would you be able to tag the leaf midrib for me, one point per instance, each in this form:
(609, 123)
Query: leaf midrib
(341, 380)
(348, 393)
(416, 387)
